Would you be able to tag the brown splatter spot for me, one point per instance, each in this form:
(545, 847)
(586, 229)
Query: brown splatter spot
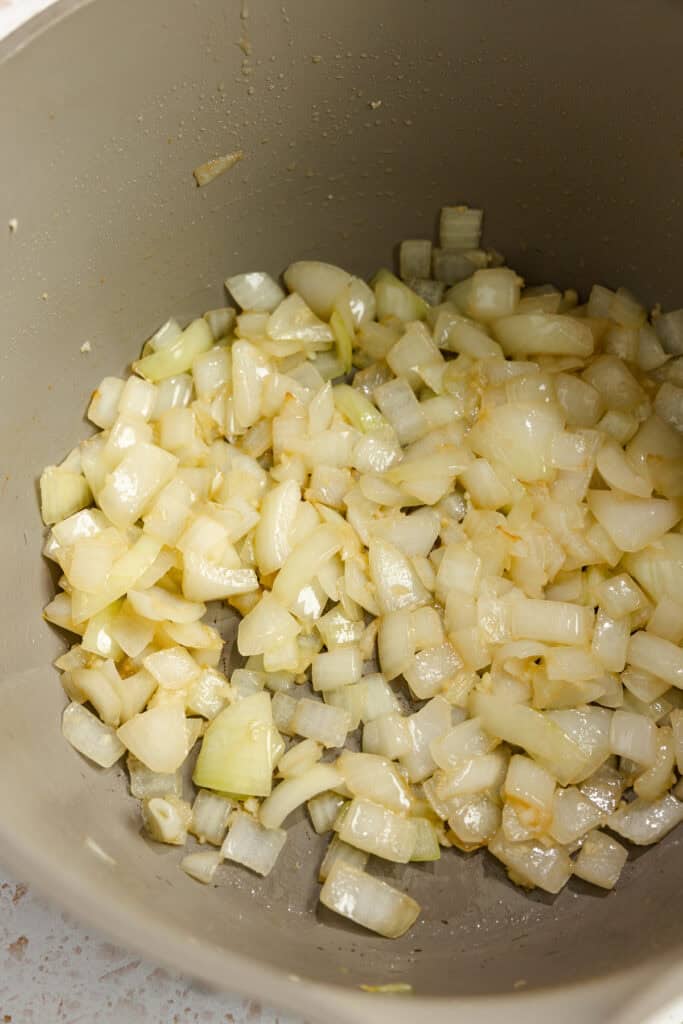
(19, 893)
(18, 947)
(7, 1018)
(229, 1018)
(253, 1010)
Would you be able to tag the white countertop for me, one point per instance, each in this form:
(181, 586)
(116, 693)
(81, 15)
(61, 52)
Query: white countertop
(54, 971)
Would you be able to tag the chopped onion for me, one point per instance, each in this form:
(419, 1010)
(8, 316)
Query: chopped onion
(324, 810)
(460, 227)
(293, 792)
(415, 258)
(319, 284)
(238, 751)
(375, 778)
(210, 816)
(336, 668)
(145, 783)
(201, 866)
(255, 291)
(328, 725)
(91, 737)
(177, 357)
(532, 863)
(528, 334)
(643, 822)
(157, 737)
(601, 860)
(251, 844)
(368, 901)
(166, 819)
(340, 852)
(658, 656)
(379, 831)
(488, 508)
(573, 814)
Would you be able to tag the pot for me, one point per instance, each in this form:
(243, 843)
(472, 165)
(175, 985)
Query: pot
(357, 121)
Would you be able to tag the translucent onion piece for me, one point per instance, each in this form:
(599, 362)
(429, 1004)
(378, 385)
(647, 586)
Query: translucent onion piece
(252, 845)
(90, 737)
(601, 860)
(643, 822)
(291, 793)
(368, 901)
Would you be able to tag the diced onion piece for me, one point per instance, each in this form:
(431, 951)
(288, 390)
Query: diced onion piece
(299, 758)
(531, 789)
(573, 814)
(255, 291)
(472, 820)
(429, 671)
(339, 851)
(395, 643)
(360, 412)
(238, 750)
(397, 585)
(179, 356)
(643, 822)
(104, 403)
(524, 727)
(415, 258)
(201, 866)
(460, 227)
(426, 725)
(375, 778)
(293, 320)
(379, 831)
(604, 788)
(669, 328)
(613, 466)
(658, 656)
(368, 901)
(632, 522)
(203, 580)
(173, 668)
(529, 334)
(157, 737)
(293, 792)
(337, 668)
(304, 563)
(634, 736)
(426, 847)
(62, 493)
(265, 626)
(90, 737)
(518, 436)
(463, 741)
(166, 819)
(493, 294)
(550, 621)
(322, 722)
(145, 783)
(394, 298)
(324, 810)
(601, 860)
(659, 777)
(210, 816)
(319, 284)
(533, 863)
(128, 491)
(387, 735)
(252, 845)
